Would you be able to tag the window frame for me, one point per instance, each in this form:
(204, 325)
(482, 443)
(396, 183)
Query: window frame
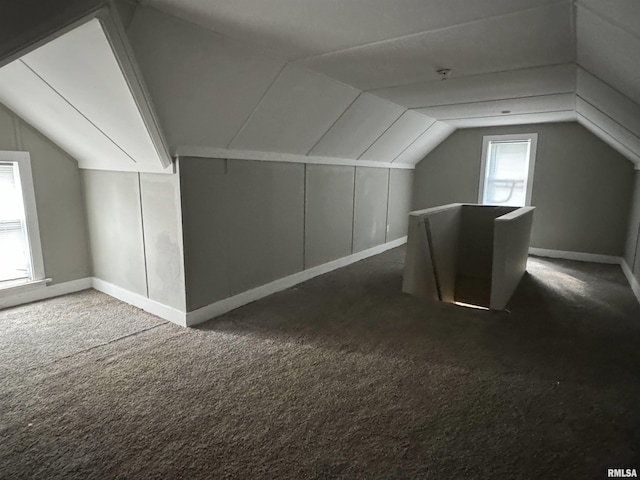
(532, 138)
(23, 161)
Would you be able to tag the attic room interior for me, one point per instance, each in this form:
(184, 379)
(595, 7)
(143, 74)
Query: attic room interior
(209, 219)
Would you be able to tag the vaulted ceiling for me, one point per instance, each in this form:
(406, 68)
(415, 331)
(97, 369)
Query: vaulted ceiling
(356, 80)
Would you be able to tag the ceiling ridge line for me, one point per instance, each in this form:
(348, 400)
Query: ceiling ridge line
(607, 19)
(494, 100)
(434, 30)
(76, 109)
(497, 72)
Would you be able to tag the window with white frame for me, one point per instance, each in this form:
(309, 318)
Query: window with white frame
(20, 249)
(506, 177)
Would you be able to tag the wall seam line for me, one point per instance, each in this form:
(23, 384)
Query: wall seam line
(333, 124)
(144, 241)
(353, 216)
(380, 136)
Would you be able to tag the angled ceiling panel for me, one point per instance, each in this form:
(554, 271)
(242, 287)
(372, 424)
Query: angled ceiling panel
(477, 88)
(513, 106)
(204, 85)
(398, 137)
(434, 136)
(300, 29)
(609, 101)
(32, 99)
(607, 135)
(609, 51)
(297, 110)
(81, 67)
(536, 37)
(609, 127)
(624, 13)
(363, 122)
(521, 119)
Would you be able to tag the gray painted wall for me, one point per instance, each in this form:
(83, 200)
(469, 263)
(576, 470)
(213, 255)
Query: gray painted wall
(581, 187)
(248, 223)
(135, 233)
(58, 191)
(632, 250)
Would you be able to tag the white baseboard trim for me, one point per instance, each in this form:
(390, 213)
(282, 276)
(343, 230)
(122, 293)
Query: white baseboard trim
(42, 292)
(579, 256)
(142, 302)
(635, 286)
(223, 306)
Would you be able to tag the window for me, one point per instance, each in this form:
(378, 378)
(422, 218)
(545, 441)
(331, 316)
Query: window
(20, 250)
(506, 177)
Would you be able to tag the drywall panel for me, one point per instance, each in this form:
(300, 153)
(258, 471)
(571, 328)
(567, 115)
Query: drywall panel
(115, 228)
(204, 85)
(633, 230)
(61, 213)
(206, 204)
(429, 140)
(513, 106)
(531, 38)
(33, 100)
(370, 211)
(581, 186)
(623, 135)
(359, 126)
(608, 139)
(299, 29)
(328, 213)
(82, 68)
(609, 101)
(609, 52)
(492, 86)
(400, 194)
(419, 276)
(294, 114)
(443, 227)
(512, 233)
(524, 119)
(266, 222)
(7, 130)
(161, 211)
(398, 137)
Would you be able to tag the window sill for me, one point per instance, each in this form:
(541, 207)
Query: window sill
(16, 288)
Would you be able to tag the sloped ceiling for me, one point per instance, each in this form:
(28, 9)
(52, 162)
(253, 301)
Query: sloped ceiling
(511, 62)
(74, 90)
(355, 81)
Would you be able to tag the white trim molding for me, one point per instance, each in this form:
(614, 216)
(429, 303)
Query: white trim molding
(635, 286)
(34, 291)
(532, 139)
(594, 258)
(578, 256)
(156, 308)
(230, 154)
(223, 306)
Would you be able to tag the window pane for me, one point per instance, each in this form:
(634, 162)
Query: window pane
(506, 173)
(14, 250)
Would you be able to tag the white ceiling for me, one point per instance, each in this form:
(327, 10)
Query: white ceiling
(356, 79)
(74, 91)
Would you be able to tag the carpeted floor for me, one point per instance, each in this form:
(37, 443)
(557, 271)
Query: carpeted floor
(342, 377)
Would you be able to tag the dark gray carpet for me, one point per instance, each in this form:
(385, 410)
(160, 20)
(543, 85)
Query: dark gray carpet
(342, 377)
